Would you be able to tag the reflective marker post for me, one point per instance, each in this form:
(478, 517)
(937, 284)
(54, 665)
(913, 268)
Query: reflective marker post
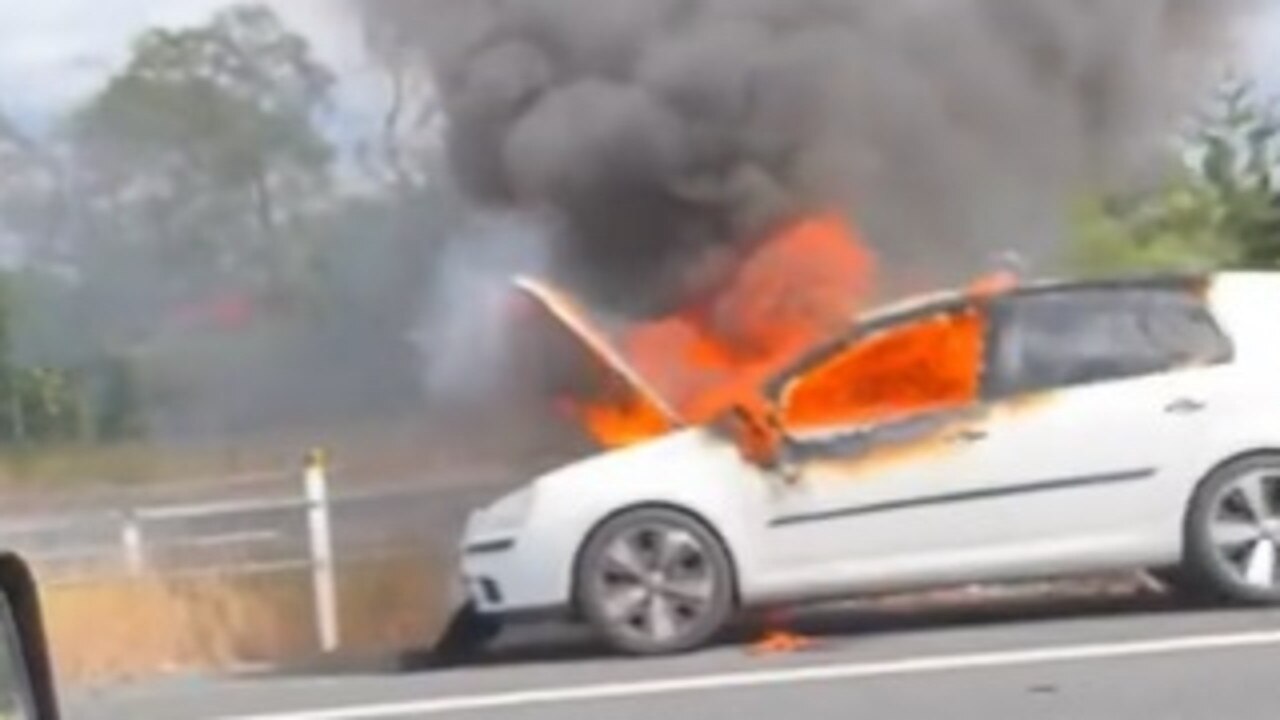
(315, 477)
(131, 540)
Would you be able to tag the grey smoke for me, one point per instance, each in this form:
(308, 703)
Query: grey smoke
(464, 335)
(660, 138)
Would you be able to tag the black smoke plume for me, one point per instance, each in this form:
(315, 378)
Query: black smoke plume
(659, 139)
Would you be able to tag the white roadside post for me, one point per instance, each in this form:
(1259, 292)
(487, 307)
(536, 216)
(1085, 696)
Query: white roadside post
(135, 558)
(315, 477)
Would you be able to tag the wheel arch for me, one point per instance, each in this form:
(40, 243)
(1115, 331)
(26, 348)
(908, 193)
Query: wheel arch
(701, 519)
(1197, 572)
(1262, 451)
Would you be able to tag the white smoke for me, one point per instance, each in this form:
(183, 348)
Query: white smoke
(465, 332)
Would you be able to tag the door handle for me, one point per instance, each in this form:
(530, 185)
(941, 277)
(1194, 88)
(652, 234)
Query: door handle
(1184, 406)
(968, 436)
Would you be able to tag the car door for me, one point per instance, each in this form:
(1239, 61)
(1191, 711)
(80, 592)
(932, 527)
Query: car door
(880, 430)
(1094, 396)
(1088, 395)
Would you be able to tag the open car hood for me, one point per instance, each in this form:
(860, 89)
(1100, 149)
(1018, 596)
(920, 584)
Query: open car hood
(619, 375)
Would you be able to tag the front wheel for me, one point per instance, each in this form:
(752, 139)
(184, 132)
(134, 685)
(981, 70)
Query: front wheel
(1233, 532)
(655, 581)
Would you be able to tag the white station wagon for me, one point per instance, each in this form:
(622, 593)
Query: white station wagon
(1106, 426)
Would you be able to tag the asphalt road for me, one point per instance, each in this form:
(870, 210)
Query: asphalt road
(1131, 657)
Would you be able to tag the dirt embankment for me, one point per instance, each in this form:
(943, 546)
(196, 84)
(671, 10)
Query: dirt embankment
(119, 628)
(111, 630)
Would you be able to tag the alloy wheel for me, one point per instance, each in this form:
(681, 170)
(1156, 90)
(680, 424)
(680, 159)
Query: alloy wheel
(656, 582)
(1244, 528)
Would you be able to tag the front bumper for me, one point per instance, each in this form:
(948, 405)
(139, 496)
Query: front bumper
(512, 571)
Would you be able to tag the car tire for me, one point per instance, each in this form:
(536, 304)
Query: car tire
(1185, 587)
(467, 634)
(654, 581)
(1233, 532)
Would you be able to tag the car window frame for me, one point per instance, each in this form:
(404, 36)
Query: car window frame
(776, 387)
(1193, 286)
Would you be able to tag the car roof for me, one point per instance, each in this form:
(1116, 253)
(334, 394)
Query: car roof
(942, 300)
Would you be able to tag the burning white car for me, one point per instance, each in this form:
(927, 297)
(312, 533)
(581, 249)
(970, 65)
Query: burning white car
(1038, 431)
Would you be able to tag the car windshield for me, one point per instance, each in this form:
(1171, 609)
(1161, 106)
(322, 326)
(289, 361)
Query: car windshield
(362, 332)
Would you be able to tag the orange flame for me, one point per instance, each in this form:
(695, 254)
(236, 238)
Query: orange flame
(915, 368)
(798, 287)
(626, 421)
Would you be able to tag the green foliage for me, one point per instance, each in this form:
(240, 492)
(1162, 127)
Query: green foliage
(115, 396)
(1240, 152)
(233, 96)
(204, 152)
(1181, 228)
(60, 391)
(36, 403)
(1222, 210)
(43, 405)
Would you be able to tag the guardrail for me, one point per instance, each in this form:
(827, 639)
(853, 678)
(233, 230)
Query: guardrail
(76, 545)
(311, 519)
(290, 531)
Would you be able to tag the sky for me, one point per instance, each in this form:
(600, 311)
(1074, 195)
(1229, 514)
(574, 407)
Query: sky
(53, 53)
(1263, 41)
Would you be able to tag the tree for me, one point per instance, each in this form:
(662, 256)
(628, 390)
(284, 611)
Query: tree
(204, 151)
(406, 159)
(1239, 162)
(1221, 207)
(1182, 227)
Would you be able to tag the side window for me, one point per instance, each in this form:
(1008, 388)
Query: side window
(1076, 337)
(1183, 330)
(922, 365)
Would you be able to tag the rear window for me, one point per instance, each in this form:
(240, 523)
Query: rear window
(1076, 337)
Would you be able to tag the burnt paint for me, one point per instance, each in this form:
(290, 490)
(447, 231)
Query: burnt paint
(858, 451)
(859, 454)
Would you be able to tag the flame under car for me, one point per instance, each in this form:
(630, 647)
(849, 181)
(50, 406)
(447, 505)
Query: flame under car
(1037, 431)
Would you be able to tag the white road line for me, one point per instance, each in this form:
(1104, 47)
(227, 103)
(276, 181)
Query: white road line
(758, 678)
